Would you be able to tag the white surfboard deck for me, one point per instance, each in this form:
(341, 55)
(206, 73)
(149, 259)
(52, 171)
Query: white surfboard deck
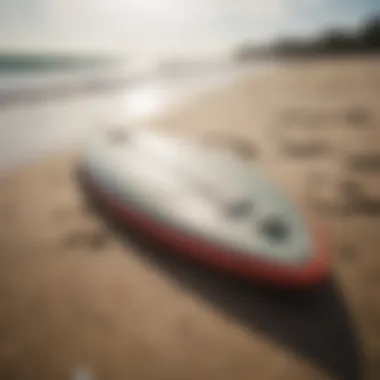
(206, 193)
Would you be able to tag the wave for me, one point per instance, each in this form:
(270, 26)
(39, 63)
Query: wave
(23, 62)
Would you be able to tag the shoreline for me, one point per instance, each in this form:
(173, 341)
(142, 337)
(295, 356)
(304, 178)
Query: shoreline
(14, 97)
(66, 120)
(91, 83)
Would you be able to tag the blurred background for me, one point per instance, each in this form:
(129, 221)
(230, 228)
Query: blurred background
(291, 85)
(130, 57)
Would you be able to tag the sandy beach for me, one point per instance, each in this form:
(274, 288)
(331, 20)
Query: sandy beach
(73, 293)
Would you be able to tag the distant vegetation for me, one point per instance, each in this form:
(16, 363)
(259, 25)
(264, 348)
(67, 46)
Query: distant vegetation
(337, 41)
(43, 62)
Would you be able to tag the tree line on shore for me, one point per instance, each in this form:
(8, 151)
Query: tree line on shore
(337, 41)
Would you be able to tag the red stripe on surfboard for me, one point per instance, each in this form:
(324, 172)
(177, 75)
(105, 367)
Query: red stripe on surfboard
(253, 268)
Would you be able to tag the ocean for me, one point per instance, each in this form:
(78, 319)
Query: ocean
(42, 112)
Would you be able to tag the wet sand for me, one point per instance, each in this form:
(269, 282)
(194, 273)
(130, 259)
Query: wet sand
(74, 293)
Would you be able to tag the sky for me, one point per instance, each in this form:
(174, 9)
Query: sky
(167, 26)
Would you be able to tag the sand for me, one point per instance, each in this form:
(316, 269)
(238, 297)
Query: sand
(74, 294)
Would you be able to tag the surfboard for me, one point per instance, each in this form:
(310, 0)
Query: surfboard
(205, 203)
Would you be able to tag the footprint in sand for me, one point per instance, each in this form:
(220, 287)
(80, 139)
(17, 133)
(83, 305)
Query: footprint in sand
(369, 163)
(306, 149)
(91, 240)
(349, 252)
(244, 149)
(358, 117)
